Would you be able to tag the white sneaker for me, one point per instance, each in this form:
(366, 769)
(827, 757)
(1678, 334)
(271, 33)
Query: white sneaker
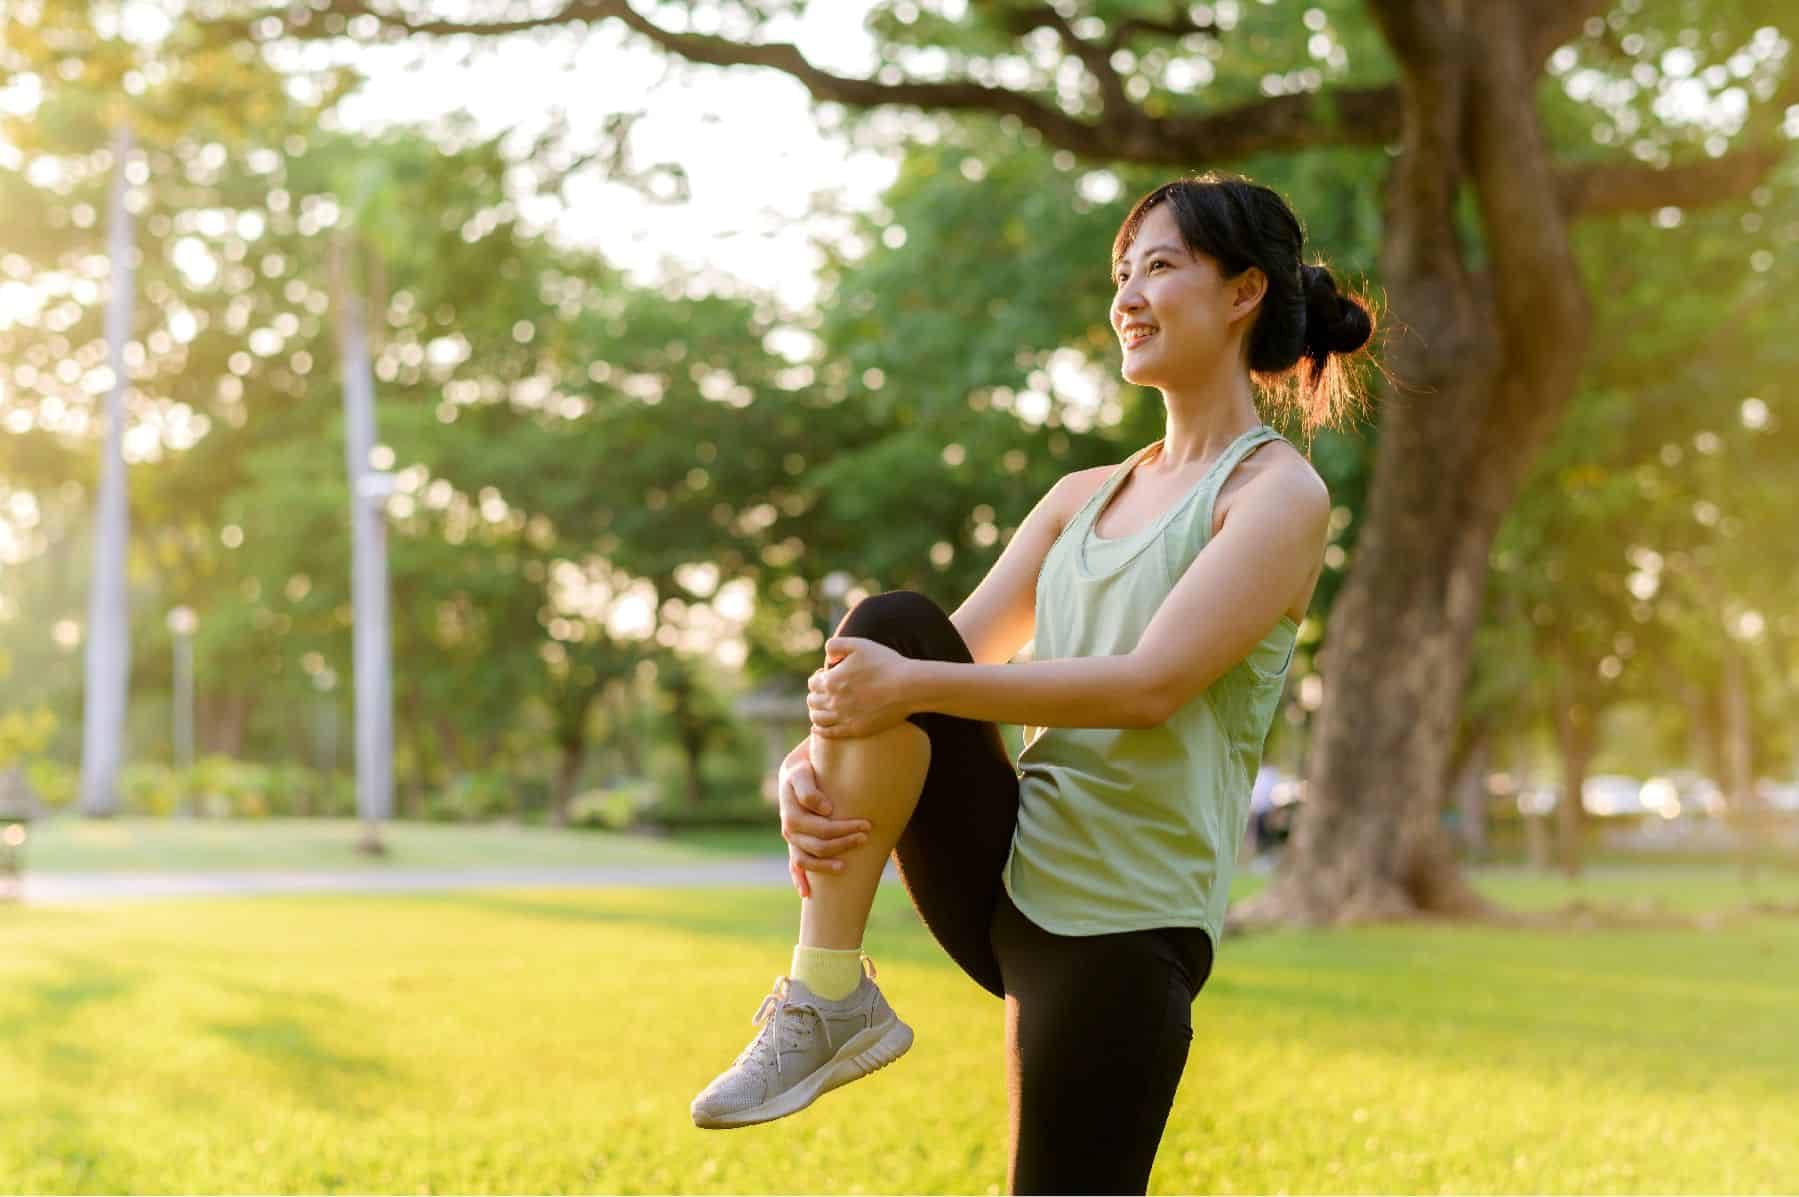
(807, 1046)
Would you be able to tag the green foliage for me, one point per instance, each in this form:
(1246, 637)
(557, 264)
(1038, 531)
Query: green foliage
(147, 788)
(611, 808)
(1642, 539)
(24, 733)
(54, 783)
(673, 813)
(474, 796)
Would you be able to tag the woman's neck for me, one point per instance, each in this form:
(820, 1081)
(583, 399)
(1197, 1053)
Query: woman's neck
(1203, 420)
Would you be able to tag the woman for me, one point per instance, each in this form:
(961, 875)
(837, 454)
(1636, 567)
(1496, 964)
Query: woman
(1086, 884)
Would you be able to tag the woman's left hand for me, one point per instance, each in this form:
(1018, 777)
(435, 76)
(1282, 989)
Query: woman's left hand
(862, 689)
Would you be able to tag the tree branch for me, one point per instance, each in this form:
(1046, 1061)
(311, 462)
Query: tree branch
(1367, 116)
(1098, 61)
(1555, 23)
(1178, 25)
(1634, 187)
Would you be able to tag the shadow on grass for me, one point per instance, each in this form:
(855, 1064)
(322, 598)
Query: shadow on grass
(752, 916)
(1674, 1011)
(51, 1001)
(315, 1071)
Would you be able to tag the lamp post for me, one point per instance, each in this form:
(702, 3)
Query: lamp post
(836, 584)
(183, 622)
(17, 807)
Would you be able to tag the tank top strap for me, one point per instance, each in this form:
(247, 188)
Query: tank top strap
(1097, 500)
(1221, 470)
(1076, 528)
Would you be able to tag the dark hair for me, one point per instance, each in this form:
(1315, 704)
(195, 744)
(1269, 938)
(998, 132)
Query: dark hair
(1305, 327)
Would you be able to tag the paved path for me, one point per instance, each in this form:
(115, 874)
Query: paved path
(49, 888)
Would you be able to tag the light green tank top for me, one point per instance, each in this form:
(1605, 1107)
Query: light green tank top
(1124, 829)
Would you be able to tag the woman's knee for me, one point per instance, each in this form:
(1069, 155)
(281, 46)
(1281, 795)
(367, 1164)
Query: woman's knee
(906, 621)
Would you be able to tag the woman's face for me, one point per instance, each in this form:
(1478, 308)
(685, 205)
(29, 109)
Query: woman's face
(1193, 314)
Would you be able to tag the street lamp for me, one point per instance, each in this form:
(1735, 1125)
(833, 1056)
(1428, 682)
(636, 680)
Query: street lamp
(836, 584)
(183, 622)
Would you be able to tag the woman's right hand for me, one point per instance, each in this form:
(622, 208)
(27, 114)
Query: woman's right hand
(814, 840)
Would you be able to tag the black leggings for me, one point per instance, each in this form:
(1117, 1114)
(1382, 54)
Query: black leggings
(1097, 1026)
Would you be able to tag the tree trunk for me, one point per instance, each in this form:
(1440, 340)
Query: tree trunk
(223, 717)
(568, 776)
(107, 661)
(624, 741)
(1470, 791)
(1741, 799)
(1574, 737)
(1479, 391)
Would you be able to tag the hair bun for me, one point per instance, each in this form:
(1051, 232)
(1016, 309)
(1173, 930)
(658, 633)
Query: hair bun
(1335, 323)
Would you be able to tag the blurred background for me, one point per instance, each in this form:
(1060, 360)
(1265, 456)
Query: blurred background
(669, 367)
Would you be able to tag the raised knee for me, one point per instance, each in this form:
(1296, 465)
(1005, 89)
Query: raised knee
(904, 739)
(887, 613)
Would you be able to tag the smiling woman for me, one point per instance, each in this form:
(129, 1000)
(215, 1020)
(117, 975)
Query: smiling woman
(1085, 883)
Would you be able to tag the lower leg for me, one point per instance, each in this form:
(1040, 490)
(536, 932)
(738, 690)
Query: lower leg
(877, 778)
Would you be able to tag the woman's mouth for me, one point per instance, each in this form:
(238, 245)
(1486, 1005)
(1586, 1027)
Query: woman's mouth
(1136, 337)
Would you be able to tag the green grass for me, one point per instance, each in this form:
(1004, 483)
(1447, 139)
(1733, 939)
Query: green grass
(511, 1041)
(136, 844)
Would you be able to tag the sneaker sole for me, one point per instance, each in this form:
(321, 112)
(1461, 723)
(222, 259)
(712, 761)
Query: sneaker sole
(868, 1051)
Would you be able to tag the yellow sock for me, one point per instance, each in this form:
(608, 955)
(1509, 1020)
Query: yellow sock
(830, 973)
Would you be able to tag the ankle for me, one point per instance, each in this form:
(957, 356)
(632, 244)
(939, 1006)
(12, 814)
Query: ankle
(831, 973)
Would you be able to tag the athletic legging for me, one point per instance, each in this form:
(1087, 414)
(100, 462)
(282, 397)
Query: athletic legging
(1097, 1026)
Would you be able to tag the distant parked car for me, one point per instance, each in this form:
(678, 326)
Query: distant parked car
(1778, 795)
(1611, 794)
(1273, 803)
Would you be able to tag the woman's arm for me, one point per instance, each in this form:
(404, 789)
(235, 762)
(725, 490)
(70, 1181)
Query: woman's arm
(1231, 595)
(1068, 692)
(1001, 614)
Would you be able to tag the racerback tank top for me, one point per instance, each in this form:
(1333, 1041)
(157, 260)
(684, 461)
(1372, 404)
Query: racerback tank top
(1125, 829)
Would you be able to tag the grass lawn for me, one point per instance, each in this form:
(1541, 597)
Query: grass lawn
(139, 844)
(505, 1041)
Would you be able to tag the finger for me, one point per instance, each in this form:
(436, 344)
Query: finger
(812, 798)
(825, 829)
(799, 879)
(817, 864)
(819, 847)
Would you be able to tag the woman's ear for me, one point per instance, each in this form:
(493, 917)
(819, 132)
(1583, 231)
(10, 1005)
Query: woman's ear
(1247, 290)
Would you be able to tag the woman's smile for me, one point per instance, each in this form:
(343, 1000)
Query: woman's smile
(1136, 334)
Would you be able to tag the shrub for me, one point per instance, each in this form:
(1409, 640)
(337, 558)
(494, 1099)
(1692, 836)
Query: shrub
(54, 782)
(613, 809)
(473, 796)
(743, 810)
(147, 788)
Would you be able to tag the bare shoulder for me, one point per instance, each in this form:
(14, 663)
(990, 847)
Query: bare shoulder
(1277, 474)
(1073, 489)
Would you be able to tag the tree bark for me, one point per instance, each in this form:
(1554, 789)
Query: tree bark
(1470, 794)
(1480, 389)
(573, 752)
(1742, 800)
(223, 716)
(1574, 736)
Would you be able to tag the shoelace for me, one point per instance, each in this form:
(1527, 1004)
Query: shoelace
(780, 1000)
